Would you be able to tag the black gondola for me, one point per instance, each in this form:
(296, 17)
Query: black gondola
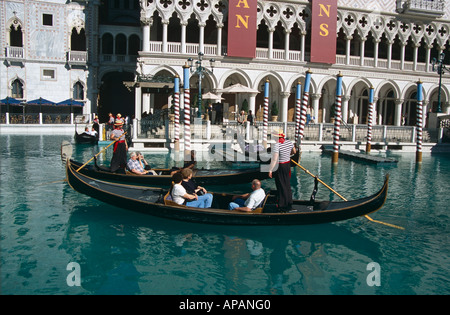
(154, 201)
(202, 176)
(85, 138)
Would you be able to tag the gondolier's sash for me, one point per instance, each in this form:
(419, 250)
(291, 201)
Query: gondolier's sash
(117, 143)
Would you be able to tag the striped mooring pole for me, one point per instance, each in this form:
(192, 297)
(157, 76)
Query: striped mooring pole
(304, 105)
(419, 124)
(370, 122)
(337, 120)
(266, 113)
(177, 113)
(187, 111)
(298, 94)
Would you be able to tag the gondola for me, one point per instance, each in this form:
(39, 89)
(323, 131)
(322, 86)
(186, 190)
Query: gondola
(85, 138)
(202, 177)
(156, 202)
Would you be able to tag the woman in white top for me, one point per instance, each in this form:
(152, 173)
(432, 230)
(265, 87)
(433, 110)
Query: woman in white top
(181, 197)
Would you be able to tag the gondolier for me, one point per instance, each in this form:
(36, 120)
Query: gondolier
(119, 159)
(281, 157)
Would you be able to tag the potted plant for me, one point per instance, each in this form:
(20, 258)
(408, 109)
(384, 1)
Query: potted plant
(274, 111)
(245, 106)
(332, 113)
(172, 110)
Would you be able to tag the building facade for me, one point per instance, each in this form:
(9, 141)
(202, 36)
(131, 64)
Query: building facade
(87, 49)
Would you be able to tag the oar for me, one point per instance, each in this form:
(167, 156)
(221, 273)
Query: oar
(340, 196)
(99, 153)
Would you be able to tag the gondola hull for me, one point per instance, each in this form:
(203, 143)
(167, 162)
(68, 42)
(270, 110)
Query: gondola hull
(202, 177)
(85, 138)
(151, 201)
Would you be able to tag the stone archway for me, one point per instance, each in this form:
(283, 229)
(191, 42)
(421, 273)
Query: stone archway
(114, 97)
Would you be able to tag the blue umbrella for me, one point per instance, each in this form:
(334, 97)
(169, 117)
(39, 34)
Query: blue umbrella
(41, 101)
(71, 102)
(10, 101)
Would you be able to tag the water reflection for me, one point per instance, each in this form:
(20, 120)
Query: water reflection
(128, 253)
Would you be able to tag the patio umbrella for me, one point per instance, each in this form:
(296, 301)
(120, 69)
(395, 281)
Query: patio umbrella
(71, 102)
(238, 88)
(40, 101)
(10, 101)
(211, 96)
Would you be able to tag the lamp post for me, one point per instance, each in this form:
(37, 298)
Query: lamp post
(439, 67)
(200, 71)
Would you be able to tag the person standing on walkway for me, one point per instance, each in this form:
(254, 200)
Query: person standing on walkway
(119, 159)
(281, 158)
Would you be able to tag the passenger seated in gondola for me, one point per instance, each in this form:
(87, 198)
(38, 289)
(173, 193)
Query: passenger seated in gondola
(143, 161)
(189, 162)
(135, 166)
(192, 188)
(250, 201)
(182, 197)
(93, 132)
(86, 131)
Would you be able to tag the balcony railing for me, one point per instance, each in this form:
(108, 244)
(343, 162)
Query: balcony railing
(421, 7)
(14, 52)
(76, 57)
(280, 54)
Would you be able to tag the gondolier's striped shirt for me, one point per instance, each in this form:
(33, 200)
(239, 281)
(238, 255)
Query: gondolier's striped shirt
(284, 150)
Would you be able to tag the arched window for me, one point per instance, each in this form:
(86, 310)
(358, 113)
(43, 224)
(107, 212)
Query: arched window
(15, 36)
(78, 40)
(134, 45)
(78, 91)
(17, 89)
(121, 44)
(107, 44)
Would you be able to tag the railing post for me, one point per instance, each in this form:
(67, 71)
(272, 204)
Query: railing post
(135, 128)
(320, 132)
(208, 129)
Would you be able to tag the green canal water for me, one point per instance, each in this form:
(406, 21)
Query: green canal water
(52, 236)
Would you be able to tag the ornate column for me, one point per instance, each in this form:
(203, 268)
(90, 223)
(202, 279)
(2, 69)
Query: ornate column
(375, 52)
(270, 50)
(402, 55)
(284, 106)
(286, 44)
(427, 60)
(219, 39)
(347, 49)
(201, 39)
(165, 25)
(302, 46)
(398, 112)
(315, 105)
(345, 99)
(183, 36)
(146, 23)
(362, 51)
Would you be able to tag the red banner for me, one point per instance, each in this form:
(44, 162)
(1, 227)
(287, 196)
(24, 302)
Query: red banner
(323, 31)
(242, 28)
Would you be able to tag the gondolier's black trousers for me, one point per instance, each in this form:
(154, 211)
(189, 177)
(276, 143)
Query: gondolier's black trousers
(283, 183)
(119, 159)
